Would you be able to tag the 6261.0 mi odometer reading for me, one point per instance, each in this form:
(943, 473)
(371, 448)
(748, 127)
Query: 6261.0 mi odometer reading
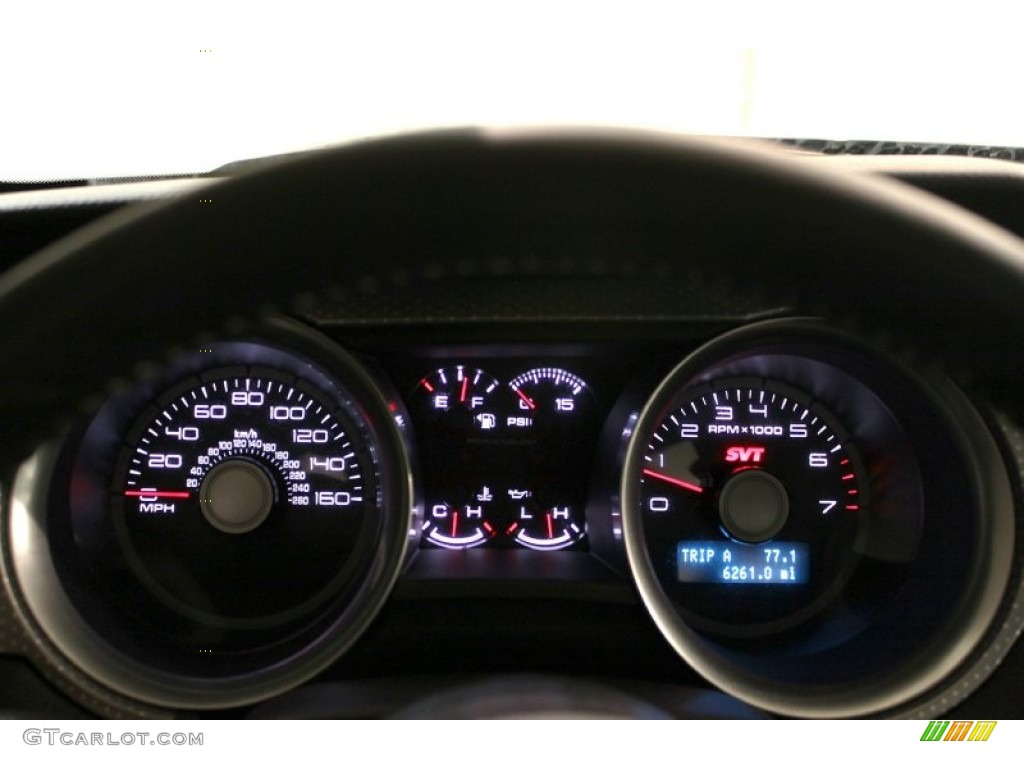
(782, 562)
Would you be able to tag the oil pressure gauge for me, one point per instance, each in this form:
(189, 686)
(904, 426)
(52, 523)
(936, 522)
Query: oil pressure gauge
(541, 525)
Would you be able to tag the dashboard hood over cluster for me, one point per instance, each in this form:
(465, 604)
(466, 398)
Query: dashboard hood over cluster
(808, 370)
(404, 213)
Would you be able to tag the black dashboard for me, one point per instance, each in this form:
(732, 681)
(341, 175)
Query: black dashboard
(629, 489)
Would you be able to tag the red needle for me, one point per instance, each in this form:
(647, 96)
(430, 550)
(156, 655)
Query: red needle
(159, 494)
(674, 481)
(465, 385)
(455, 523)
(551, 530)
(527, 400)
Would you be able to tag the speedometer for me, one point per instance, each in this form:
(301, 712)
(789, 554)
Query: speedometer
(227, 527)
(260, 476)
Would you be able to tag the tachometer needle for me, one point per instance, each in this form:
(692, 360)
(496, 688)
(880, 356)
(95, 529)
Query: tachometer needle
(674, 481)
(159, 494)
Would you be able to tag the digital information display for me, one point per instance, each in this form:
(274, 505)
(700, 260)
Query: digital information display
(720, 562)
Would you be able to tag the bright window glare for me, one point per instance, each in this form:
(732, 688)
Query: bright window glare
(108, 89)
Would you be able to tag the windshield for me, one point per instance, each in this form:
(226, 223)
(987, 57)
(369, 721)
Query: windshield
(102, 89)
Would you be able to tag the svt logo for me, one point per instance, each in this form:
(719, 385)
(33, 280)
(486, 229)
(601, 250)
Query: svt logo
(748, 453)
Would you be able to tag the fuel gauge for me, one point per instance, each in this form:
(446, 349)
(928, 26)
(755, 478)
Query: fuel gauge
(461, 396)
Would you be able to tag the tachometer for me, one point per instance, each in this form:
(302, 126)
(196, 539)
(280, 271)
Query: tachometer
(749, 483)
(799, 517)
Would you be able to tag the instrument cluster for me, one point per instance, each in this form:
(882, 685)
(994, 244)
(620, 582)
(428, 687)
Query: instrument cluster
(781, 496)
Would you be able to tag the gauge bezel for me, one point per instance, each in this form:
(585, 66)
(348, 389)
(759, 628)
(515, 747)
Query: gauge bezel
(885, 690)
(66, 635)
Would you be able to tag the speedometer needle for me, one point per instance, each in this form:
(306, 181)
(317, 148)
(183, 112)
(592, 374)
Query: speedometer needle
(159, 494)
(673, 481)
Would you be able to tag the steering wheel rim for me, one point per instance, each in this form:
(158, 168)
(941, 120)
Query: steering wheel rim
(150, 279)
(402, 215)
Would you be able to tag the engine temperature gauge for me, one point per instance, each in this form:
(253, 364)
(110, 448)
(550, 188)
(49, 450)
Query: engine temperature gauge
(460, 527)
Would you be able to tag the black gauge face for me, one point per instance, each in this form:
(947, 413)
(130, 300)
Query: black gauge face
(240, 480)
(798, 518)
(249, 507)
(752, 500)
(504, 465)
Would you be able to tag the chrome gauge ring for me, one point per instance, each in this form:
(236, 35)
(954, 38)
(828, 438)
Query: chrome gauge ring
(224, 531)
